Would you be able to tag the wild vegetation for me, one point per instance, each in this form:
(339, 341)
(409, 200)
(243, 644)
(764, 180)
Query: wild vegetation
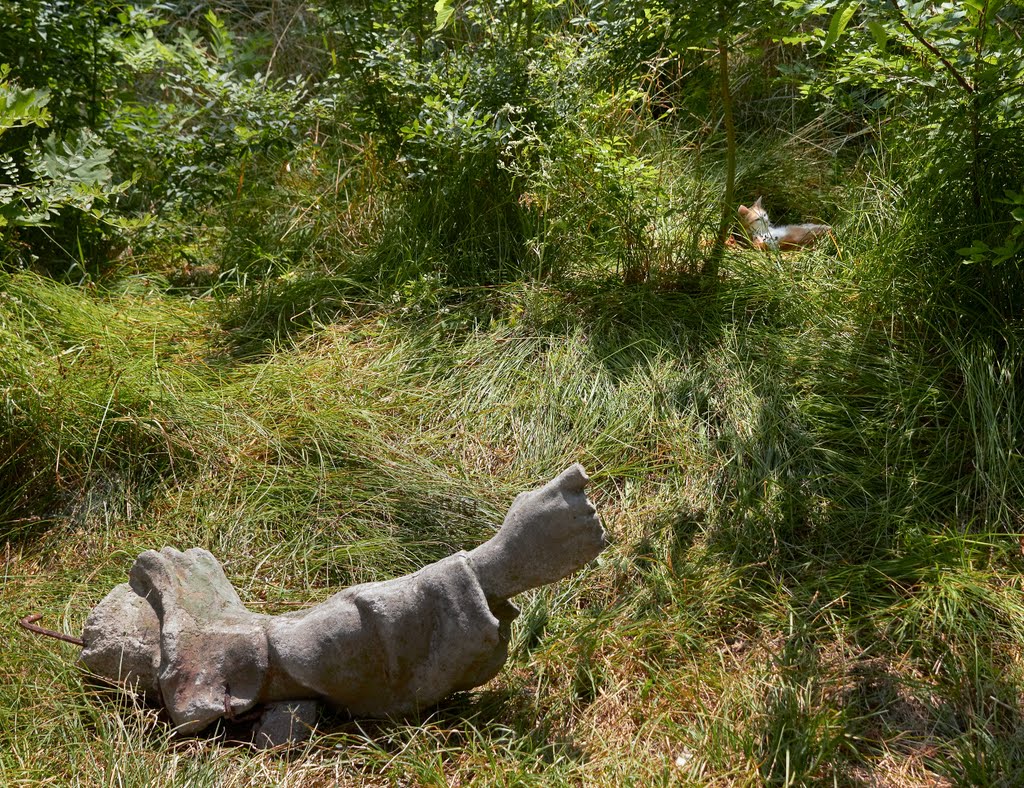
(321, 286)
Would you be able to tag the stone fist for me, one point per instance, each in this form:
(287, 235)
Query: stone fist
(547, 534)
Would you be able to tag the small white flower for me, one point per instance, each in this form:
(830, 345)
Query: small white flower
(684, 758)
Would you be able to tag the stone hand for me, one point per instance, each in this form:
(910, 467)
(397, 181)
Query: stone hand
(547, 534)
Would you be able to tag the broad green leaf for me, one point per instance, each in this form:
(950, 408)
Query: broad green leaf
(840, 20)
(22, 107)
(976, 247)
(879, 33)
(444, 10)
(73, 159)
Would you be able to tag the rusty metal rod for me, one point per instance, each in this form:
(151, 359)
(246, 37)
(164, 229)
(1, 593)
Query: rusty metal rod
(29, 623)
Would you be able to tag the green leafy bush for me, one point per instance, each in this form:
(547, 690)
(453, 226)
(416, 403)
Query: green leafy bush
(56, 182)
(197, 108)
(948, 80)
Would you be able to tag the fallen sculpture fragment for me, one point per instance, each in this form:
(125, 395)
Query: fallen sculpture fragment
(178, 632)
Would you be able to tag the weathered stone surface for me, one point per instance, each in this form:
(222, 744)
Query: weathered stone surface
(547, 534)
(122, 641)
(213, 652)
(179, 632)
(394, 647)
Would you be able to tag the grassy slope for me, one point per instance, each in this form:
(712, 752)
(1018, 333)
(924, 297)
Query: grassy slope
(804, 582)
(814, 496)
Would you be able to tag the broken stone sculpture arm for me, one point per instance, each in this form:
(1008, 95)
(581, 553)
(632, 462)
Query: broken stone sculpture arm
(179, 632)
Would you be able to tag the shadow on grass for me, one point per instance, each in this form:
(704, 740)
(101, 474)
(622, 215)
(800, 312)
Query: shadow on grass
(846, 703)
(488, 722)
(493, 719)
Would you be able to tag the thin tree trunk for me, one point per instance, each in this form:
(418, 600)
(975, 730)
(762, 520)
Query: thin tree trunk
(711, 266)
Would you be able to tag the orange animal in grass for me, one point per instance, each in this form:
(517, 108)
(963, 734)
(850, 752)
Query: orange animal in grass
(763, 235)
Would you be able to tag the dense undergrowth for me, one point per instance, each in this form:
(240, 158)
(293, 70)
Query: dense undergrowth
(334, 325)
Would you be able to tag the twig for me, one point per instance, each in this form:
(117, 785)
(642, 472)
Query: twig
(277, 44)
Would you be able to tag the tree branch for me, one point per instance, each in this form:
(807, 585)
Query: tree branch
(931, 48)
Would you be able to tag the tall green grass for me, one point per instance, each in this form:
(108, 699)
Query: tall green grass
(814, 515)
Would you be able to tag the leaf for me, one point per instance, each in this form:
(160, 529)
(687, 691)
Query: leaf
(220, 37)
(879, 33)
(445, 11)
(22, 107)
(73, 159)
(977, 252)
(840, 20)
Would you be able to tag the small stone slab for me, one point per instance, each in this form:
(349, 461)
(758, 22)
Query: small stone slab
(285, 723)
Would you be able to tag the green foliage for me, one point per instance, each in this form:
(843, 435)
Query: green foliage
(69, 173)
(20, 107)
(61, 211)
(1013, 244)
(64, 48)
(53, 178)
(460, 114)
(949, 79)
(445, 11)
(199, 108)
